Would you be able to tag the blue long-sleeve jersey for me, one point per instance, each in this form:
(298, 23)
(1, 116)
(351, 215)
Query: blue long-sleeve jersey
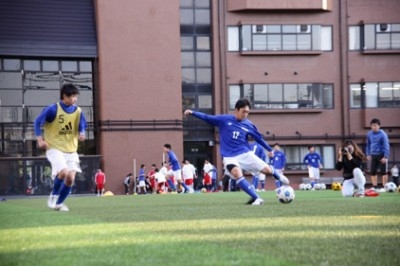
(142, 175)
(49, 114)
(173, 161)
(278, 160)
(377, 143)
(233, 134)
(313, 159)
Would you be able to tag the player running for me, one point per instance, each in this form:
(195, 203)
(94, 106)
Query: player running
(234, 132)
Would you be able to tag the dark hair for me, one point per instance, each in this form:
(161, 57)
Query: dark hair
(310, 146)
(68, 90)
(168, 146)
(375, 121)
(357, 151)
(142, 165)
(276, 144)
(242, 103)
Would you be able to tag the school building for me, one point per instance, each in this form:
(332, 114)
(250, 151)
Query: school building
(315, 71)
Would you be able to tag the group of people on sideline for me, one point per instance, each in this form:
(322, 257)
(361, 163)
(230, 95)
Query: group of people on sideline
(171, 177)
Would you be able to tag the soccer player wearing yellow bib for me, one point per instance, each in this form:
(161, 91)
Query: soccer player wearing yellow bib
(58, 129)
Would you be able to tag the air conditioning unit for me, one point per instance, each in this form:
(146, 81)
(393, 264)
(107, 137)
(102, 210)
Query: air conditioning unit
(383, 27)
(259, 29)
(303, 28)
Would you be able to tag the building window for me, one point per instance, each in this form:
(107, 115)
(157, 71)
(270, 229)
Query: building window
(375, 94)
(29, 85)
(383, 36)
(295, 155)
(304, 37)
(283, 95)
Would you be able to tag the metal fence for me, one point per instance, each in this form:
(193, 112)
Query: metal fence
(32, 175)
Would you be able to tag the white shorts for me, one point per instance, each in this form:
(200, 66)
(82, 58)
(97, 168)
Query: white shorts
(313, 172)
(178, 175)
(141, 184)
(261, 176)
(247, 162)
(62, 160)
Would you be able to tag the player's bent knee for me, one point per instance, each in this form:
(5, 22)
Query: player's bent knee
(230, 167)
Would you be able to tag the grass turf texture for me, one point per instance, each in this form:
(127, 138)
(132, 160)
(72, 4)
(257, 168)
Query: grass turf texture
(317, 228)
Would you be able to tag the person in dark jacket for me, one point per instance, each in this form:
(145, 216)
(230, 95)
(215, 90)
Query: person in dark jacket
(350, 160)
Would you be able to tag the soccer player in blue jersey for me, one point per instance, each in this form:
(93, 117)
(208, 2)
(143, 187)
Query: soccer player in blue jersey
(175, 167)
(314, 162)
(234, 132)
(63, 125)
(377, 151)
(258, 177)
(278, 160)
(141, 179)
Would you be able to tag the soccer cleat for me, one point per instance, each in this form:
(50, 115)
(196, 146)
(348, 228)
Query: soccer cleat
(258, 201)
(61, 207)
(250, 201)
(51, 201)
(284, 180)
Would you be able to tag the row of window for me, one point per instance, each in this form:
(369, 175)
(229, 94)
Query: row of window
(283, 95)
(303, 37)
(374, 37)
(375, 94)
(10, 64)
(314, 95)
(310, 37)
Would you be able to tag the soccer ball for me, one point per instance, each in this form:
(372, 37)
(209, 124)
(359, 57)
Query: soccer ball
(317, 186)
(323, 186)
(336, 186)
(308, 186)
(390, 187)
(285, 194)
(302, 186)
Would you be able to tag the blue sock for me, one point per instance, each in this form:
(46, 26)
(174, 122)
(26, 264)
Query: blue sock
(64, 192)
(255, 181)
(312, 183)
(278, 183)
(171, 185)
(57, 185)
(184, 186)
(246, 187)
(262, 184)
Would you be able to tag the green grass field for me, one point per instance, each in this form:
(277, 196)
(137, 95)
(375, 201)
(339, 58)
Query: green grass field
(318, 228)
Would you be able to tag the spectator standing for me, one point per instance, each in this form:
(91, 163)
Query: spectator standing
(100, 180)
(350, 159)
(188, 174)
(258, 177)
(278, 160)
(152, 181)
(127, 181)
(208, 169)
(141, 180)
(377, 152)
(314, 162)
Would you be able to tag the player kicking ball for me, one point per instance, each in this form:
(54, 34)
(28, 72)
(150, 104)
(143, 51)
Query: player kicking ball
(234, 132)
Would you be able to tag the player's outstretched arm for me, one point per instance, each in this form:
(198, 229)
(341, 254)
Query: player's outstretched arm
(188, 112)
